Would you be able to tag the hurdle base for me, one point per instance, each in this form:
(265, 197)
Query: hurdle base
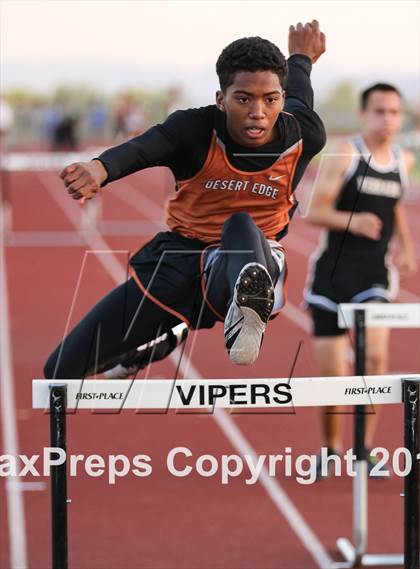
(348, 551)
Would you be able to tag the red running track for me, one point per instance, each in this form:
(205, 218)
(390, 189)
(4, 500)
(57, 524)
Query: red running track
(164, 522)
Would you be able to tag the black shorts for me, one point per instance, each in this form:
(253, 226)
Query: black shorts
(352, 282)
(168, 271)
(325, 322)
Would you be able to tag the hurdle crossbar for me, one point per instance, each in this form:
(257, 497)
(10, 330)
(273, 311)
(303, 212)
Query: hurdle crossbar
(58, 397)
(206, 394)
(381, 314)
(359, 317)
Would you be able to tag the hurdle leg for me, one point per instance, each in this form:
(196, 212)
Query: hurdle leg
(354, 552)
(5, 201)
(58, 478)
(90, 216)
(411, 394)
(360, 499)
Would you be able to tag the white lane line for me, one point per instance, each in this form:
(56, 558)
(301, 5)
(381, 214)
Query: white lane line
(279, 497)
(26, 486)
(43, 239)
(276, 492)
(129, 228)
(130, 195)
(273, 488)
(14, 496)
(71, 208)
(297, 316)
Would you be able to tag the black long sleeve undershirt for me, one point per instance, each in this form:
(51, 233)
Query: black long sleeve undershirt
(181, 143)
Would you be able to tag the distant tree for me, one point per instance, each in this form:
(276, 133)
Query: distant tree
(152, 102)
(22, 98)
(343, 96)
(339, 109)
(75, 95)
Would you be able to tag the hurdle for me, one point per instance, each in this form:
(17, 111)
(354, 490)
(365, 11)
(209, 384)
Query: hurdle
(359, 317)
(206, 395)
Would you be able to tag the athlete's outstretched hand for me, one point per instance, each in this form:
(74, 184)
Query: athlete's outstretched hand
(307, 40)
(83, 179)
(366, 225)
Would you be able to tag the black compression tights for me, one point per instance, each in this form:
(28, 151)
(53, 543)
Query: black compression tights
(244, 243)
(110, 329)
(125, 319)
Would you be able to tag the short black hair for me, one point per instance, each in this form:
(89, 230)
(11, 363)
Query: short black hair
(384, 87)
(250, 54)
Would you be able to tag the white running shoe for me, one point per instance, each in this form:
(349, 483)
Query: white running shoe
(121, 372)
(245, 322)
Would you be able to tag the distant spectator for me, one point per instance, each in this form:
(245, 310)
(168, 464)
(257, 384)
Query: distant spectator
(50, 117)
(174, 100)
(129, 119)
(97, 120)
(64, 134)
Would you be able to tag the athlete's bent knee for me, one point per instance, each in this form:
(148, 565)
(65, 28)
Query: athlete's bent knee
(49, 367)
(240, 223)
(241, 217)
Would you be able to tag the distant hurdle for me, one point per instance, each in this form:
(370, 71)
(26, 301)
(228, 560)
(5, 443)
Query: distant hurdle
(359, 317)
(13, 162)
(205, 395)
(90, 219)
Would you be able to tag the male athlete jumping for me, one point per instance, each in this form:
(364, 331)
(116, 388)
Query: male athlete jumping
(236, 166)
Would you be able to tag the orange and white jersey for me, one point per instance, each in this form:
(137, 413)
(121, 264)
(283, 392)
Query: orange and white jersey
(204, 202)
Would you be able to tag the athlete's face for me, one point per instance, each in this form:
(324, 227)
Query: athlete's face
(252, 104)
(383, 114)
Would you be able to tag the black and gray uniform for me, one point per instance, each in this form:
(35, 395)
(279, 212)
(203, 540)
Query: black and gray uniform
(350, 268)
